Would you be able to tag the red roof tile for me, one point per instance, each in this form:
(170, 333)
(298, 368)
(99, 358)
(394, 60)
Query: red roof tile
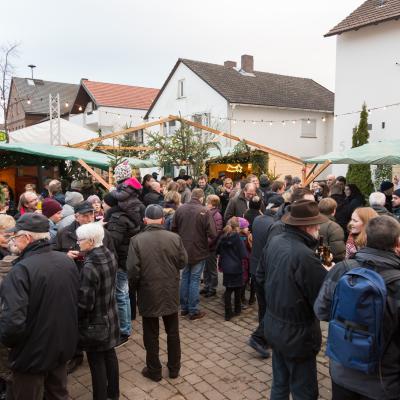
(123, 96)
(370, 12)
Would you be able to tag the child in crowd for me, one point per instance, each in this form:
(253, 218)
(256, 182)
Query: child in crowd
(244, 237)
(127, 193)
(231, 250)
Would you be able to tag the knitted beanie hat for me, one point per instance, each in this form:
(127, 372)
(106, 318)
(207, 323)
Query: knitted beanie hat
(50, 207)
(122, 171)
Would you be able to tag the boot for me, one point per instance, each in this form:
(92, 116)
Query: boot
(228, 314)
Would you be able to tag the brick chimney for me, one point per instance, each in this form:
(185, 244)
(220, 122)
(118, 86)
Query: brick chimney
(247, 63)
(230, 64)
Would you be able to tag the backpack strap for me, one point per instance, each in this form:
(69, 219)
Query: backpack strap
(390, 275)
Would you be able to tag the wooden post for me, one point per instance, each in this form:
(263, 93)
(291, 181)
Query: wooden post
(110, 176)
(318, 172)
(94, 174)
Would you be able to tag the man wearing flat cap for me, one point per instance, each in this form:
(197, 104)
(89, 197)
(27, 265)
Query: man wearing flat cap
(293, 277)
(38, 319)
(155, 271)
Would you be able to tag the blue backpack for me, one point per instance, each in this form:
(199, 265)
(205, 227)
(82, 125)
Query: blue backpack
(355, 336)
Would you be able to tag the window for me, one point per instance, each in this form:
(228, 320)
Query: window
(138, 136)
(308, 128)
(181, 88)
(383, 125)
(198, 118)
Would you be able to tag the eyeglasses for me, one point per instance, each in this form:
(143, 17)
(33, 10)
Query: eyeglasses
(12, 238)
(80, 240)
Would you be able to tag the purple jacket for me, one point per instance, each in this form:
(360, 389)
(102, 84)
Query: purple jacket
(219, 225)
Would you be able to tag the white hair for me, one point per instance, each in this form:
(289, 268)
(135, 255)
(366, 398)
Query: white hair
(93, 231)
(377, 199)
(35, 235)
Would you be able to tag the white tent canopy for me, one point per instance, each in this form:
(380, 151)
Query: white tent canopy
(40, 133)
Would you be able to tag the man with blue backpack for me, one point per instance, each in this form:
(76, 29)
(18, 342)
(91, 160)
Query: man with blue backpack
(361, 300)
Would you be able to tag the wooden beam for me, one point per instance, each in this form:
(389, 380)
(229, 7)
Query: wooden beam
(129, 148)
(94, 174)
(312, 170)
(123, 132)
(319, 171)
(238, 139)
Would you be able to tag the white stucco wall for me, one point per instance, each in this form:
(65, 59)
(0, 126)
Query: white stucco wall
(366, 70)
(198, 98)
(106, 119)
(286, 138)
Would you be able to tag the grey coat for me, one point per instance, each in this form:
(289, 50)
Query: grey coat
(155, 257)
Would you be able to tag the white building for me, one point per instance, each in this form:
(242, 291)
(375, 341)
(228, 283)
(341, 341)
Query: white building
(289, 114)
(367, 70)
(111, 107)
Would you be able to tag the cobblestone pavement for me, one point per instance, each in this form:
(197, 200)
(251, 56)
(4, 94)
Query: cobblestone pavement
(216, 362)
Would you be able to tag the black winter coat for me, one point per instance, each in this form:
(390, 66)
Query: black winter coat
(39, 318)
(293, 277)
(232, 251)
(260, 229)
(97, 293)
(154, 269)
(153, 198)
(129, 202)
(121, 228)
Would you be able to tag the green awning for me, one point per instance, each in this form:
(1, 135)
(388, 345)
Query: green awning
(386, 152)
(93, 158)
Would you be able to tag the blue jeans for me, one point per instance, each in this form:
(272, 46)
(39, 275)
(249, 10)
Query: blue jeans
(298, 377)
(190, 287)
(123, 302)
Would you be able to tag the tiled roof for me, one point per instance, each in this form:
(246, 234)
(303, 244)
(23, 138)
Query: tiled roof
(36, 93)
(262, 88)
(369, 13)
(123, 96)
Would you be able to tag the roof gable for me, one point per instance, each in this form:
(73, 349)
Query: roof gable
(369, 13)
(37, 92)
(122, 96)
(260, 88)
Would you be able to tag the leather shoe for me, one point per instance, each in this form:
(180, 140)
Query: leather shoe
(173, 374)
(198, 315)
(210, 294)
(146, 373)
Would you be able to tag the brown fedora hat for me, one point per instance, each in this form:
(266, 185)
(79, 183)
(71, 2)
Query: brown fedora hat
(304, 212)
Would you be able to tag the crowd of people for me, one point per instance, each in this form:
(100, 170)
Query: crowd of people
(75, 266)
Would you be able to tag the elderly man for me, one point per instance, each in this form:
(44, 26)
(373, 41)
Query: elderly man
(29, 202)
(382, 255)
(330, 180)
(39, 319)
(377, 201)
(154, 196)
(157, 276)
(195, 225)
(238, 205)
(293, 277)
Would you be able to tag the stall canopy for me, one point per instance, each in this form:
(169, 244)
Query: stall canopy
(93, 158)
(40, 133)
(387, 152)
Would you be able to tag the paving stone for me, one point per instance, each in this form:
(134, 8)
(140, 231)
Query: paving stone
(217, 363)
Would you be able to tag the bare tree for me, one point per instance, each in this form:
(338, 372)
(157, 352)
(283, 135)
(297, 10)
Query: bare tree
(8, 52)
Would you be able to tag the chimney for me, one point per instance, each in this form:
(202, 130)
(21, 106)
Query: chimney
(247, 63)
(230, 64)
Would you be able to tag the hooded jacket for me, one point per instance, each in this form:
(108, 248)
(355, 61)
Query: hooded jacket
(371, 386)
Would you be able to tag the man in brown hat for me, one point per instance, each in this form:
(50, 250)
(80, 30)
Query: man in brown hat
(293, 277)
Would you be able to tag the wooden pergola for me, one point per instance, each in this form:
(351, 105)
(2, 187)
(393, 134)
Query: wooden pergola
(307, 178)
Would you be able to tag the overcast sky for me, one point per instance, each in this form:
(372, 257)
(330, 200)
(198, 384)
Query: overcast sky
(138, 42)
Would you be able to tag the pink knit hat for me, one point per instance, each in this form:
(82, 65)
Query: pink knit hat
(133, 182)
(243, 223)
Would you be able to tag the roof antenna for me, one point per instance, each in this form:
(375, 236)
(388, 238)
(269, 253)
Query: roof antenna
(31, 66)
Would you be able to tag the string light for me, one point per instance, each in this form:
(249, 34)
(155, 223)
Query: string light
(28, 102)
(80, 108)
(294, 122)
(66, 104)
(323, 119)
(308, 121)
